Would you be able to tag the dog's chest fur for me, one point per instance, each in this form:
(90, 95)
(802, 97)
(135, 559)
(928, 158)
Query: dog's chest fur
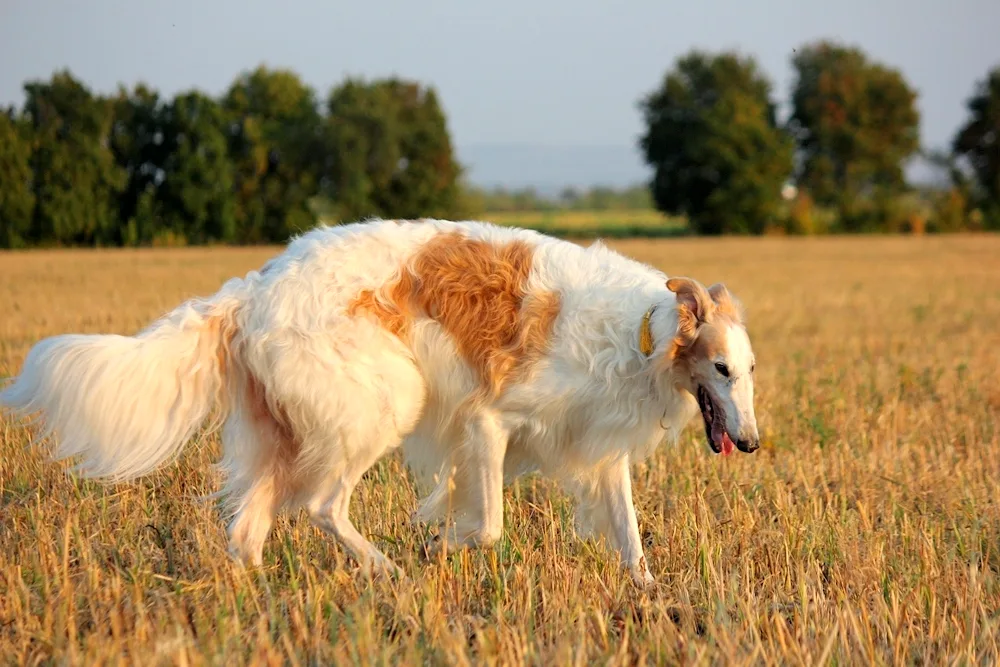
(573, 417)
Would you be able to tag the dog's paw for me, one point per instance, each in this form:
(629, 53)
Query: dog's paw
(641, 575)
(243, 559)
(644, 579)
(445, 543)
(433, 547)
(383, 569)
(391, 572)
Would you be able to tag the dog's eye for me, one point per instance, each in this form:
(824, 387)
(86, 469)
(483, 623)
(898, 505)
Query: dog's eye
(752, 367)
(721, 367)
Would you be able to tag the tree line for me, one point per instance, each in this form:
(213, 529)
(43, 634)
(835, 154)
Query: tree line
(595, 198)
(266, 158)
(721, 157)
(136, 169)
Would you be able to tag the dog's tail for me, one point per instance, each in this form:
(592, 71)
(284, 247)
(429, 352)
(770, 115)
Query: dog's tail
(125, 405)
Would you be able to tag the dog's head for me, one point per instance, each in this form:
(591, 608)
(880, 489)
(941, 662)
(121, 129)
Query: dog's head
(713, 351)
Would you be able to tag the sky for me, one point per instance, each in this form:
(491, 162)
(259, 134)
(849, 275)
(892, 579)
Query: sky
(535, 91)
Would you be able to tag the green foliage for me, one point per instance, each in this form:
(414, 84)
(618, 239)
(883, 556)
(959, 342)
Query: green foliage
(136, 169)
(597, 198)
(264, 161)
(713, 142)
(195, 199)
(179, 186)
(500, 199)
(805, 218)
(950, 211)
(856, 123)
(582, 224)
(602, 198)
(17, 198)
(75, 177)
(978, 142)
(388, 152)
(139, 144)
(274, 131)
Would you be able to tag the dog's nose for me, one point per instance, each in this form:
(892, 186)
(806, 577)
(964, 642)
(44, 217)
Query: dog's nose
(749, 445)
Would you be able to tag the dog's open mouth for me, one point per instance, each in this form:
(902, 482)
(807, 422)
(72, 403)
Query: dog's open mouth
(715, 424)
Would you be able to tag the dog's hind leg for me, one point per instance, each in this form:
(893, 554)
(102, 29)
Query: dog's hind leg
(252, 524)
(368, 412)
(257, 457)
(328, 508)
(476, 492)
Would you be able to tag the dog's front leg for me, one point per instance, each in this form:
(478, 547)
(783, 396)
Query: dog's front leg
(476, 491)
(606, 507)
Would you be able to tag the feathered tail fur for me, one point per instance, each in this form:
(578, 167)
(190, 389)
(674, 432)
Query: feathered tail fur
(125, 405)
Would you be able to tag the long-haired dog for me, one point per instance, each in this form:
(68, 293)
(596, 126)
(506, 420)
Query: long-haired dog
(485, 352)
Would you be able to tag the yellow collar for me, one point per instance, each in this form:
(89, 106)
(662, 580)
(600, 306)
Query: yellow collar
(645, 335)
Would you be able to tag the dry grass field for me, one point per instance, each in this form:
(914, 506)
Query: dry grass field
(866, 530)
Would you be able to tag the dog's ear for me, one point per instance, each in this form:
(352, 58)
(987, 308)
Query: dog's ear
(694, 307)
(725, 302)
(692, 296)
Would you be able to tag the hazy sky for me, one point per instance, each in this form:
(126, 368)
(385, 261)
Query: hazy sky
(558, 73)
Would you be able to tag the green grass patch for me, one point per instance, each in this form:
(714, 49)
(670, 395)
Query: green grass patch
(591, 224)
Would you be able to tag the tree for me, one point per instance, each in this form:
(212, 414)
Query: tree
(76, 179)
(389, 152)
(79, 169)
(713, 142)
(139, 144)
(179, 177)
(978, 142)
(275, 142)
(195, 198)
(17, 200)
(856, 123)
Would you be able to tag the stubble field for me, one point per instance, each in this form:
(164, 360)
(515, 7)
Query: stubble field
(866, 530)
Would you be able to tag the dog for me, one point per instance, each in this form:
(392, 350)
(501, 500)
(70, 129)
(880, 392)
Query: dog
(485, 352)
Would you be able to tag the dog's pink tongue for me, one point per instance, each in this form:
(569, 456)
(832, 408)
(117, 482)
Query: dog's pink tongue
(727, 444)
(720, 437)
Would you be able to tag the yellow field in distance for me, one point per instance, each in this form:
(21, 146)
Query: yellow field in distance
(591, 224)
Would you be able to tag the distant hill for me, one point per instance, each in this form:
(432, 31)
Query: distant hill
(549, 169)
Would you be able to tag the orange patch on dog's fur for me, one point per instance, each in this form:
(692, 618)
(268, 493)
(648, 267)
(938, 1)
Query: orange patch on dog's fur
(263, 414)
(281, 455)
(223, 329)
(391, 308)
(538, 317)
(477, 291)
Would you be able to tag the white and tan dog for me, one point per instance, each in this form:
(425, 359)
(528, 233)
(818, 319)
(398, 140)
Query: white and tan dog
(486, 352)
